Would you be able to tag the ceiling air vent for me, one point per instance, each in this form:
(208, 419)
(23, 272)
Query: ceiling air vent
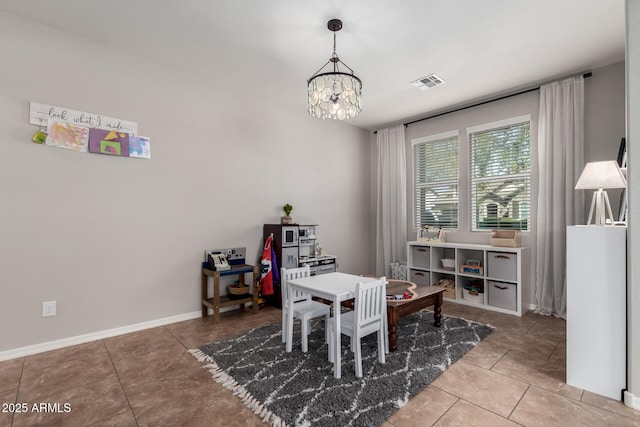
(427, 82)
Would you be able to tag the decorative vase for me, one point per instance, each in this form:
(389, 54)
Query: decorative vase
(287, 219)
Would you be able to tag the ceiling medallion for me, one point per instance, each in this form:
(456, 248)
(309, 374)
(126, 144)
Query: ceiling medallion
(334, 94)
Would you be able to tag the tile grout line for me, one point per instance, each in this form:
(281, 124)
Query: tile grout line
(553, 351)
(18, 389)
(93, 381)
(516, 405)
(448, 409)
(176, 338)
(480, 407)
(495, 372)
(115, 370)
(597, 408)
(495, 413)
(498, 361)
(510, 377)
(600, 408)
(579, 399)
(554, 392)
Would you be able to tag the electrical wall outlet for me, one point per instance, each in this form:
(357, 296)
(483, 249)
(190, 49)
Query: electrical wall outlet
(48, 308)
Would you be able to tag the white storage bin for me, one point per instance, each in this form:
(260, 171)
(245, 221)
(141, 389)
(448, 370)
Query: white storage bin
(473, 296)
(448, 263)
(502, 265)
(502, 295)
(419, 277)
(420, 256)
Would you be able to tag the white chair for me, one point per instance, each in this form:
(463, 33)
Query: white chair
(304, 308)
(369, 315)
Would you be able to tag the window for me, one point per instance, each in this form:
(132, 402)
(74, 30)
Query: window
(435, 166)
(500, 171)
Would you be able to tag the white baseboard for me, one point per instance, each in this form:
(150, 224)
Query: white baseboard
(81, 339)
(631, 401)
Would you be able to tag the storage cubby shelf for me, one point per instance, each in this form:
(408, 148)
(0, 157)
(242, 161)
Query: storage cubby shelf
(502, 280)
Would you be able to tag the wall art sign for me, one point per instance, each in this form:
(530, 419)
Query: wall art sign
(40, 114)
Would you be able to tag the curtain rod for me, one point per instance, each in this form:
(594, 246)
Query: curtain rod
(585, 75)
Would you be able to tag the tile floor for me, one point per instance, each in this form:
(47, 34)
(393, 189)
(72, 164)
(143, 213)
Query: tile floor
(514, 377)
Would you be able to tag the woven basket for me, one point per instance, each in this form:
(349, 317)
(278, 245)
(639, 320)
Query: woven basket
(238, 290)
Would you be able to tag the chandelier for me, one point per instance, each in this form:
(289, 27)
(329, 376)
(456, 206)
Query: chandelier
(334, 94)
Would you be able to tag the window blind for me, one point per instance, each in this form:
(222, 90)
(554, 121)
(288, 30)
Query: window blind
(500, 161)
(436, 180)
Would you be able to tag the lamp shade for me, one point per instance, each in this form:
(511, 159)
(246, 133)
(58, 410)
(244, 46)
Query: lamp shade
(603, 175)
(334, 95)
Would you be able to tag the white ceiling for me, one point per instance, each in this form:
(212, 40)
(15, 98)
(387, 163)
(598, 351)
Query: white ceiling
(480, 48)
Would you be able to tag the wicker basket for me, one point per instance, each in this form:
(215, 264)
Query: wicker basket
(238, 290)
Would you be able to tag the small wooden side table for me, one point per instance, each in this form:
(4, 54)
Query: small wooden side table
(425, 297)
(218, 301)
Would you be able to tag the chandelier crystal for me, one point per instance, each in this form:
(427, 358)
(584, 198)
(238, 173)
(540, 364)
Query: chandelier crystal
(334, 94)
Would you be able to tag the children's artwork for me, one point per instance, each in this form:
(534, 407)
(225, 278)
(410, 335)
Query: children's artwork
(139, 146)
(67, 135)
(109, 142)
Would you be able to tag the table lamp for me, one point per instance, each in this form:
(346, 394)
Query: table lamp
(600, 176)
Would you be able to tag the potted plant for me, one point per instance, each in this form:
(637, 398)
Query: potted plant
(287, 212)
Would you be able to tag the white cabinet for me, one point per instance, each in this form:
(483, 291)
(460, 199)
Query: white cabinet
(490, 277)
(596, 309)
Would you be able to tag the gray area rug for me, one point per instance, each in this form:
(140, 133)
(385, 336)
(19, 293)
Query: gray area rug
(299, 389)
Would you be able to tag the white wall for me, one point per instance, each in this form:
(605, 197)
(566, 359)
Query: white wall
(119, 241)
(604, 127)
(632, 398)
(604, 124)
(604, 111)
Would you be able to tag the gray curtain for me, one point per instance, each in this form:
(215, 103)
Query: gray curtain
(561, 160)
(391, 200)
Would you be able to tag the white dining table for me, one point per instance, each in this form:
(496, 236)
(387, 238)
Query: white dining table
(335, 287)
